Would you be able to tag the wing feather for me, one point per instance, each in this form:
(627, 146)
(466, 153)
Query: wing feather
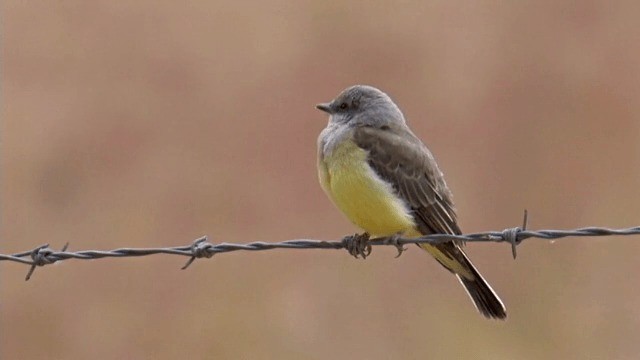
(401, 159)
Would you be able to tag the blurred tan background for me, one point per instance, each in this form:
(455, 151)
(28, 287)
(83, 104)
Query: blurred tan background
(149, 124)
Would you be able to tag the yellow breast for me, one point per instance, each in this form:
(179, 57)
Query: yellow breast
(365, 198)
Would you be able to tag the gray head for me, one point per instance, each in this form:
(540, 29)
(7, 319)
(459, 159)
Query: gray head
(362, 104)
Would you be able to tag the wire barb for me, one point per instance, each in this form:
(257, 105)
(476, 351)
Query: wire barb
(201, 248)
(40, 257)
(513, 235)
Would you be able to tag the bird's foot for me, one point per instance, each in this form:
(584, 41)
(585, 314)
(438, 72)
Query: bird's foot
(358, 245)
(393, 240)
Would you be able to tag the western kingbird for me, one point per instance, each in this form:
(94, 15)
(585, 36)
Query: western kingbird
(385, 180)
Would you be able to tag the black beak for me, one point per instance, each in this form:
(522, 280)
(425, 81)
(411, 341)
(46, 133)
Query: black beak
(326, 107)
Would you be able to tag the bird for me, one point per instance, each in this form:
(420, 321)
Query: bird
(387, 182)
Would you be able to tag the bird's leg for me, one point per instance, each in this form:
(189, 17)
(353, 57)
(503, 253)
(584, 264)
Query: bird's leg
(358, 245)
(393, 240)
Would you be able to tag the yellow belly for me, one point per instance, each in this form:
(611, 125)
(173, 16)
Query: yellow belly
(367, 200)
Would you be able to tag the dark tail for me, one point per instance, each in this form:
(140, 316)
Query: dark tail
(484, 298)
(455, 260)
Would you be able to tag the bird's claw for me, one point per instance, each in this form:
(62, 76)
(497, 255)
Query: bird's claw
(393, 240)
(358, 245)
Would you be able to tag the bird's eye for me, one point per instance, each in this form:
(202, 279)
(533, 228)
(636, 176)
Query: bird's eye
(343, 106)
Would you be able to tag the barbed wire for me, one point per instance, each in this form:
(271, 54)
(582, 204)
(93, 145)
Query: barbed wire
(357, 245)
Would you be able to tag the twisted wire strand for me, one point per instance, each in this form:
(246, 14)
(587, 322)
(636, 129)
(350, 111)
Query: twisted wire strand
(202, 248)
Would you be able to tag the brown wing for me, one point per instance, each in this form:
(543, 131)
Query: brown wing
(401, 159)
